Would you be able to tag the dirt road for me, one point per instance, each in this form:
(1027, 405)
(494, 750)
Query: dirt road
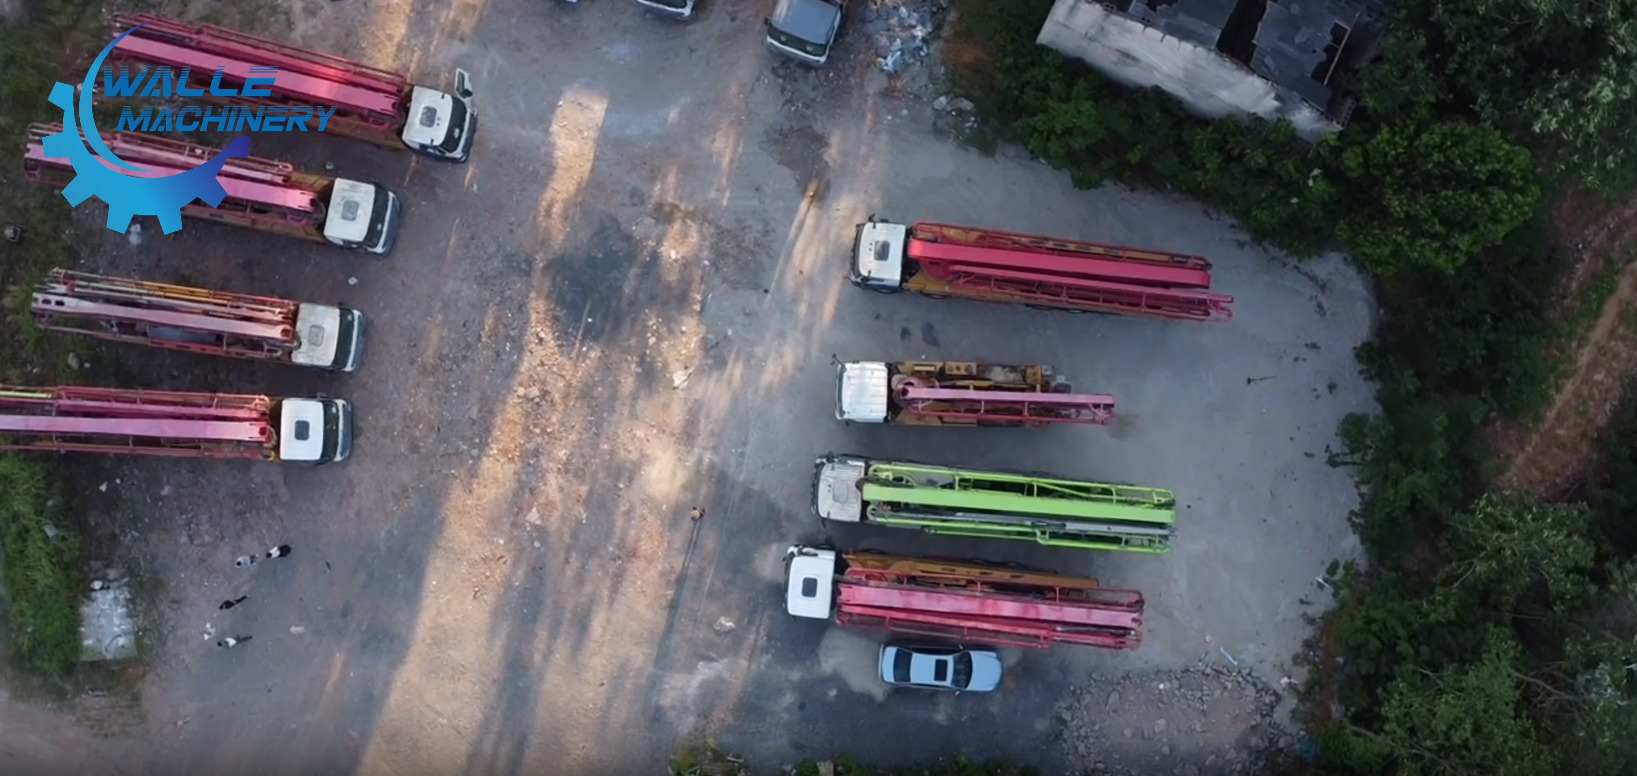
(625, 306)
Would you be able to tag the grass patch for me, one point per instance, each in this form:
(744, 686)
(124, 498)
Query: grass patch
(40, 535)
(42, 563)
(705, 759)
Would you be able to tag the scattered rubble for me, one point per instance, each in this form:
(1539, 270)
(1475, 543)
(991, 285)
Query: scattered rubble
(107, 630)
(901, 29)
(1201, 721)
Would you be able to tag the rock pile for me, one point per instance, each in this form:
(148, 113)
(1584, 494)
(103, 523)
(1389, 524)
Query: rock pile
(1201, 721)
(901, 29)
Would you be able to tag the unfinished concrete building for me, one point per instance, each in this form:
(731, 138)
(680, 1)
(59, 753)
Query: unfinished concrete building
(1270, 58)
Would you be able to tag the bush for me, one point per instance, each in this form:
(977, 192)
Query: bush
(1412, 195)
(42, 559)
(1431, 197)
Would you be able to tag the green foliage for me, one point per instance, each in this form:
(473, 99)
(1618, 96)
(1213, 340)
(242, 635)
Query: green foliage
(42, 557)
(705, 759)
(1345, 750)
(1421, 193)
(41, 546)
(1456, 646)
(1382, 632)
(1415, 463)
(1503, 546)
(1433, 197)
(1465, 719)
(1599, 710)
(1481, 332)
(1613, 495)
(1559, 76)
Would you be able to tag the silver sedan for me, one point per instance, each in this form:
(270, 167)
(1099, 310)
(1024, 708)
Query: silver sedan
(937, 667)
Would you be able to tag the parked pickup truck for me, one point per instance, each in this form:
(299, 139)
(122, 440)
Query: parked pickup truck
(805, 30)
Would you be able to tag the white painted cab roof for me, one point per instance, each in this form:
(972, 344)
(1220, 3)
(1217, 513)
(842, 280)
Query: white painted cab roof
(352, 204)
(318, 334)
(835, 493)
(301, 430)
(881, 252)
(861, 395)
(810, 582)
(428, 121)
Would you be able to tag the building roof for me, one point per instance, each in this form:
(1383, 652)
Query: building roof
(1293, 43)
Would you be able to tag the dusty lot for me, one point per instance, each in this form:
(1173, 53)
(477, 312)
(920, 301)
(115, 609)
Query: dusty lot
(625, 306)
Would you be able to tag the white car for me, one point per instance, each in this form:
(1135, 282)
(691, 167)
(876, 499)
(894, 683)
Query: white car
(940, 667)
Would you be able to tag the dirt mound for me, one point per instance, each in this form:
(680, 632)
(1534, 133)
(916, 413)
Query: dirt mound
(1199, 721)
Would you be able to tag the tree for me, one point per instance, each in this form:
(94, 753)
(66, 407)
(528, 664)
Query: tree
(1559, 76)
(1465, 720)
(1595, 703)
(1504, 545)
(1431, 197)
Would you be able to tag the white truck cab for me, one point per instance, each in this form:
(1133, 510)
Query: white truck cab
(862, 392)
(878, 256)
(810, 582)
(315, 431)
(329, 337)
(837, 494)
(362, 216)
(441, 125)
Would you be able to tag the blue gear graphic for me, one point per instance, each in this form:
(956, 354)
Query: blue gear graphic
(128, 196)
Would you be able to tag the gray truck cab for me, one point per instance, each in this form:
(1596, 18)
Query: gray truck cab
(329, 337)
(362, 216)
(441, 125)
(805, 30)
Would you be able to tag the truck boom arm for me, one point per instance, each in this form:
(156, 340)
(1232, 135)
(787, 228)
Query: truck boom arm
(161, 157)
(149, 422)
(301, 73)
(980, 603)
(934, 245)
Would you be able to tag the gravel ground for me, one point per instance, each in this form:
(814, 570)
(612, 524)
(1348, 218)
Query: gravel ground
(624, 307)
(1193, 721)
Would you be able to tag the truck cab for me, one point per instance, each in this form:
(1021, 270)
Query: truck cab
(681, 10)
(862, 392)
(805, 30)
(362, 216)
(810, 582)
(314, 431)
(329, 338)
(441, 125)
(837, 491)
(878, 256)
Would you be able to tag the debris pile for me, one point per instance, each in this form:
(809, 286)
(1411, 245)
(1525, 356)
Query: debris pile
(1204, 721)
(107, 630)
(901, 29)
